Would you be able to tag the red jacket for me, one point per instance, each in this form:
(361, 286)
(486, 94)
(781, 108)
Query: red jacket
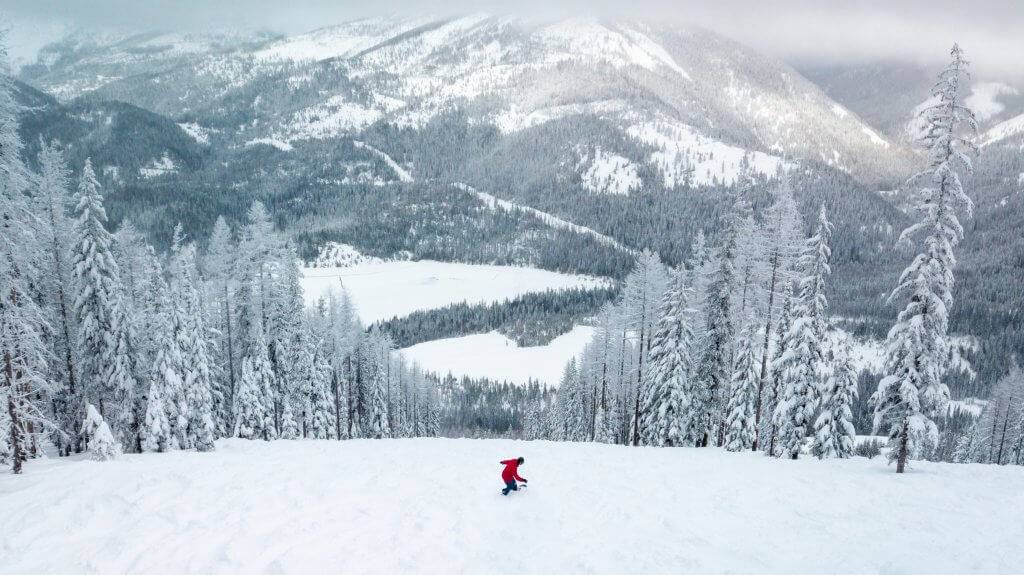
(511, 470)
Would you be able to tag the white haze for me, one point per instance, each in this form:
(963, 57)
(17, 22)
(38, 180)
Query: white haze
(799, 31)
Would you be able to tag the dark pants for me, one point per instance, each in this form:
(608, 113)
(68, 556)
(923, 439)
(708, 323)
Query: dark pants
(509, 486)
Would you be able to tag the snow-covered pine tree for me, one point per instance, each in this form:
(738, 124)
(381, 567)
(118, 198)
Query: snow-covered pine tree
(834, 435)
(571, 404)
(156, 429)
(98, 292)
(714, 366)
(167, 382)
(773, 394)
(24, 357)
(199, 427)
(912, 391)
(55, 232)
(143, 294)
(289, 428)
(802, 364)
(321, 424)
(286, 330)
(783, 225)
(740, 424)
(667, 405)
(642, 293)
(254, 417)
(100, 441)
(218, 266)
(121, 378)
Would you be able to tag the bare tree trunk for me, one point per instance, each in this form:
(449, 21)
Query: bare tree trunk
(639, 379)
(12, 412)
(764, 352)
(904, 440)
(335, 388)
(992, 437)
(230, 401)
(1002, 439)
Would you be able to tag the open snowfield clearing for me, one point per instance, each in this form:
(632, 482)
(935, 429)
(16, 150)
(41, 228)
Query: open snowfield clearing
(433, 506)
(497, 357)
(383, 290)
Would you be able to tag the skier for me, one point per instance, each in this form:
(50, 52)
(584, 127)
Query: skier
(511, 473)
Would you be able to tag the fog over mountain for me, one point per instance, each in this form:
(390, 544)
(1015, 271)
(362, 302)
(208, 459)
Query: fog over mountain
(801, 31)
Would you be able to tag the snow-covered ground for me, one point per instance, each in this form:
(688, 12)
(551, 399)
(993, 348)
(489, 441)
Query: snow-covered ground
(433, 506)
(382, 290)
(497, 357)
(495, 203)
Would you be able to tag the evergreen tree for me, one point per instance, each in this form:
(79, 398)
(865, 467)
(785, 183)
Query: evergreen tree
(570, 404)
(156, 432)
(219, 268)
(834, 435)
(802, 364)
(98, 284)
(714, 366)
(782, 232)
(912, 392)
(199, 427)
(167, 384)
(773, 397)
(254, 417)
(101, 443)
(740, 423)
(667, 406)
(55, 233)
(643, 290)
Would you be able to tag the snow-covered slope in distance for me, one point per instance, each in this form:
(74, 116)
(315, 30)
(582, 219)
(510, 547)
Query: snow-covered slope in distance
(496, 357)
(433, 506)
(382, 290)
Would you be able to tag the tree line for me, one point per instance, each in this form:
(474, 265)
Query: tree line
(730, 349)
(107, 346)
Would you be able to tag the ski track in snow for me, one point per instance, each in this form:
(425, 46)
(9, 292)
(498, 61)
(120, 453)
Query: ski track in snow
(494, 356)
(433, 506)
(493, 203)
(383, 290)
(401, 173)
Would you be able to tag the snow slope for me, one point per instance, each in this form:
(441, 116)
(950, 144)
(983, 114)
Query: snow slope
(383, 290)
(497, 357)
(433, 506)
(495, 203)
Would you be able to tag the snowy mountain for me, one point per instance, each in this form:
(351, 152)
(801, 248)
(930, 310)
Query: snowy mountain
(687, 105)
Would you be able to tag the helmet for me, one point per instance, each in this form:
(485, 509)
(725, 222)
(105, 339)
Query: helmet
(521, 461)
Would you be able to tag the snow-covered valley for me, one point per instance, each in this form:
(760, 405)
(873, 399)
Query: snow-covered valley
(433, 506)
(382, 290)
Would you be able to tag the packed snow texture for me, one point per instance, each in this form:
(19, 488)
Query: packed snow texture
(383, 290)
(434, 506)
(494, 356)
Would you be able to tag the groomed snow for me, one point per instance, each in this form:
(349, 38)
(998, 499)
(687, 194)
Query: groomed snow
(433, 506)
(383, 290)
(494, 356)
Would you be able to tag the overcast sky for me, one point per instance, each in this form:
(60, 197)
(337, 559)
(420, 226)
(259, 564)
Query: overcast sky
(992, 31)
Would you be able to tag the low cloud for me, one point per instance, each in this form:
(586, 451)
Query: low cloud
(800, 31)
